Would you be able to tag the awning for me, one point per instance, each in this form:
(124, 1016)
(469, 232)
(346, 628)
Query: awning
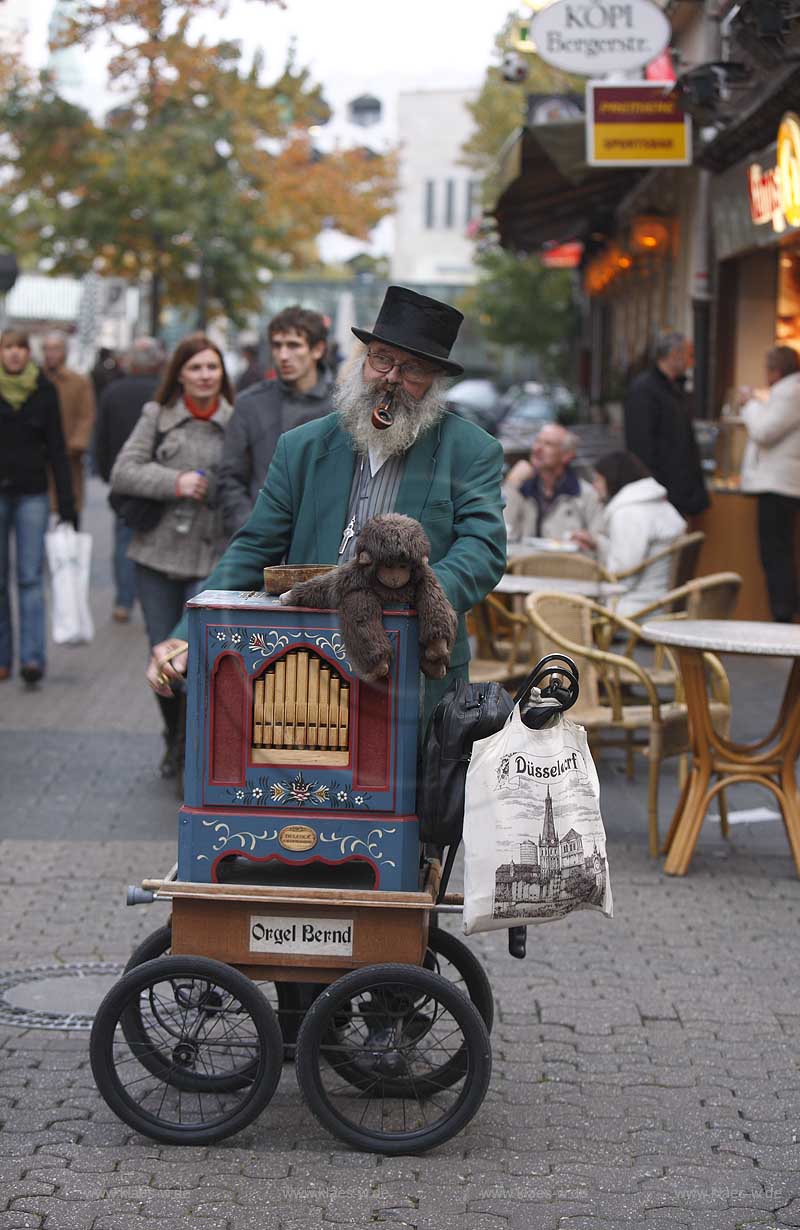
(756, 123)
(545, 191)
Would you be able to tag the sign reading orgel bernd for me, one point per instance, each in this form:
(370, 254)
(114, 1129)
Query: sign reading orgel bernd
(592, 37)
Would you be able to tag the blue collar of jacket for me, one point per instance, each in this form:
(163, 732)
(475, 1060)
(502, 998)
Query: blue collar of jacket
(568, 484)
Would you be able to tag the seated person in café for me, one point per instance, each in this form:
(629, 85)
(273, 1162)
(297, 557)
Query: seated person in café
(545, 498)
(771, 472)
(638, 521)
(331, 475)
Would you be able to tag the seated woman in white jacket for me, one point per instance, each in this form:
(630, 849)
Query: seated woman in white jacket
(638, 521)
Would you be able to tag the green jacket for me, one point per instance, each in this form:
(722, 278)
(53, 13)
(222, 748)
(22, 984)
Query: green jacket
(451, 484)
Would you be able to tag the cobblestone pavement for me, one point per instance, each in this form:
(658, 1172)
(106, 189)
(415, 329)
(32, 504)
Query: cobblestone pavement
(645, 1068)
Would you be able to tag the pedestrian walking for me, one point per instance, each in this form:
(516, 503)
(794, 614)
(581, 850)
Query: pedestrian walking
(118, 412)
(31, 439)
(771, 471)
(251, 373)
(300, 392)
(330, 476)
(172, 456)
(106, 369)
(76, 399)
(658, 426)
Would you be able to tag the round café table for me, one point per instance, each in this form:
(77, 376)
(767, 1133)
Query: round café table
(769, 762)
(511, 583)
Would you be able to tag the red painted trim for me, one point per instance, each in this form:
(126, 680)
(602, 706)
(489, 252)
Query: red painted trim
(224, 809)
(244, 718)
(290, 862)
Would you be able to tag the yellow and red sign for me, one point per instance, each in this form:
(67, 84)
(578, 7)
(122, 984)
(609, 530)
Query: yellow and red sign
(775, 191)
(636, 125)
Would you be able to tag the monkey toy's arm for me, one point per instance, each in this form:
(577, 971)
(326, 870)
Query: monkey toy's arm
(437, 624)
(368, 647)
(321, 592)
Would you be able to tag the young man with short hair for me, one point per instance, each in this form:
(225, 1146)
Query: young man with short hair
(263, 412)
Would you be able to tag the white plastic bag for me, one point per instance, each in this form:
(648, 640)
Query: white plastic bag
(534, 843)
(69, 557)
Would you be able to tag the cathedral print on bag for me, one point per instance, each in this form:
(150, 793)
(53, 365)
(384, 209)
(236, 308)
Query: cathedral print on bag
(551, 870)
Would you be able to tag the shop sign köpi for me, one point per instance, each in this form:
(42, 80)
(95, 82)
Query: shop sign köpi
(592, 37)
(641, 125)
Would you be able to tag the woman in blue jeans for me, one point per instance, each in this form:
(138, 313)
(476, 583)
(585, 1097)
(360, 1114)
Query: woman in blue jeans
(172, 456)
(31, 438)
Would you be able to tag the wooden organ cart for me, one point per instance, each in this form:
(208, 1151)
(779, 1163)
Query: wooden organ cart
(303, 918)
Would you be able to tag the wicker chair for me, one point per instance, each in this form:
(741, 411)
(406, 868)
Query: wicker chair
(502, 643)
(563, 622)
(684, 553)
(563, 564)
(709, 597)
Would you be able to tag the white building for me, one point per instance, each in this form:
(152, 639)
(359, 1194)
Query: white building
(13, 24)
(438, 196)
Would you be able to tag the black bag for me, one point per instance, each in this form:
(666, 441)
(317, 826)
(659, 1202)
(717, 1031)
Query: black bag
(466, 712)
(470, 711)
(136, 511)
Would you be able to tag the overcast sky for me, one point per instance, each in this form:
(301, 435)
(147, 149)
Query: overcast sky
(352, 47)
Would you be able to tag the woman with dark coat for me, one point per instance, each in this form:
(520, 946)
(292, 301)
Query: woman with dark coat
(31, 439)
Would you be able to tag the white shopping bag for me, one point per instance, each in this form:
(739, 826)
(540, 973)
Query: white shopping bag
(534, 843)
(69, 556)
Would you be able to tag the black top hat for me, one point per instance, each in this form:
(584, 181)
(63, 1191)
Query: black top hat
(422, 326)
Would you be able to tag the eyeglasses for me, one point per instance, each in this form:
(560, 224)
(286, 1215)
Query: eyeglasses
(413, 371)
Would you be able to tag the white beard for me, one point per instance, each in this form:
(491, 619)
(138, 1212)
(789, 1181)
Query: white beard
(355, 399)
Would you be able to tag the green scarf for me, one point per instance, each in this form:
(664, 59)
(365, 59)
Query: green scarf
(17, 389)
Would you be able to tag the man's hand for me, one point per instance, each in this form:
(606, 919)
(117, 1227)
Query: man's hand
(584, 539)
(519, 473)
(167, 665)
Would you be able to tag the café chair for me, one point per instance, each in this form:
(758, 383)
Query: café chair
(710, 597)
(681, 557)
(563, 564)
(569, 623)
(501, 639)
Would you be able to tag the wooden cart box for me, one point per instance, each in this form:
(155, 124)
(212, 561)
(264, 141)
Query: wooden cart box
(311, 935)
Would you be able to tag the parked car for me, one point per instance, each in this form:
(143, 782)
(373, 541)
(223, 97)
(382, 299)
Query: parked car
(529, 407)
(478, 400)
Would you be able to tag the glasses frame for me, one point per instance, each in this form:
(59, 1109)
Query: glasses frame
(403, 368)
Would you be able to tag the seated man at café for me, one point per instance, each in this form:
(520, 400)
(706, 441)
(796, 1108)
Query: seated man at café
(331, 475)
(544, 496)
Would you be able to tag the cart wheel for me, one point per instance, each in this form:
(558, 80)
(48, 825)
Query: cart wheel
(203, 1059)
(288, 1000)
(449, 956)
(393, 1059)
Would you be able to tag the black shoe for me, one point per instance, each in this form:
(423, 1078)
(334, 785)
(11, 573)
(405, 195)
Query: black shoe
(31, 673)
(169, 761)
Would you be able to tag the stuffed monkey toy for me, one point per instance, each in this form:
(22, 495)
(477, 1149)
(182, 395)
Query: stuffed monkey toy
(390, 566)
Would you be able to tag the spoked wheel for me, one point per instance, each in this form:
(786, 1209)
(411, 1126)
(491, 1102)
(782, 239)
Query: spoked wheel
(186, 1050)
(288, 1000)
(393, 1059)
(449, 956)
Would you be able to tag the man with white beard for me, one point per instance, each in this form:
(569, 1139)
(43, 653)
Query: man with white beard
(389, 447)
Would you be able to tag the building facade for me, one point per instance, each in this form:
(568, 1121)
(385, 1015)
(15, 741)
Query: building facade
(438, 197)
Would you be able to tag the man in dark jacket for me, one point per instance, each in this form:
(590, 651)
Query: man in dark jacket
(266, 410)
(117, 414)
(658, 426)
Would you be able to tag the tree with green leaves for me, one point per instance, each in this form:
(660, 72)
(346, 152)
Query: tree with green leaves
(200, 183)
(522, 304)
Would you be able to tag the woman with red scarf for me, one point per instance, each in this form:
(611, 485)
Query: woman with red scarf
(172, 456)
